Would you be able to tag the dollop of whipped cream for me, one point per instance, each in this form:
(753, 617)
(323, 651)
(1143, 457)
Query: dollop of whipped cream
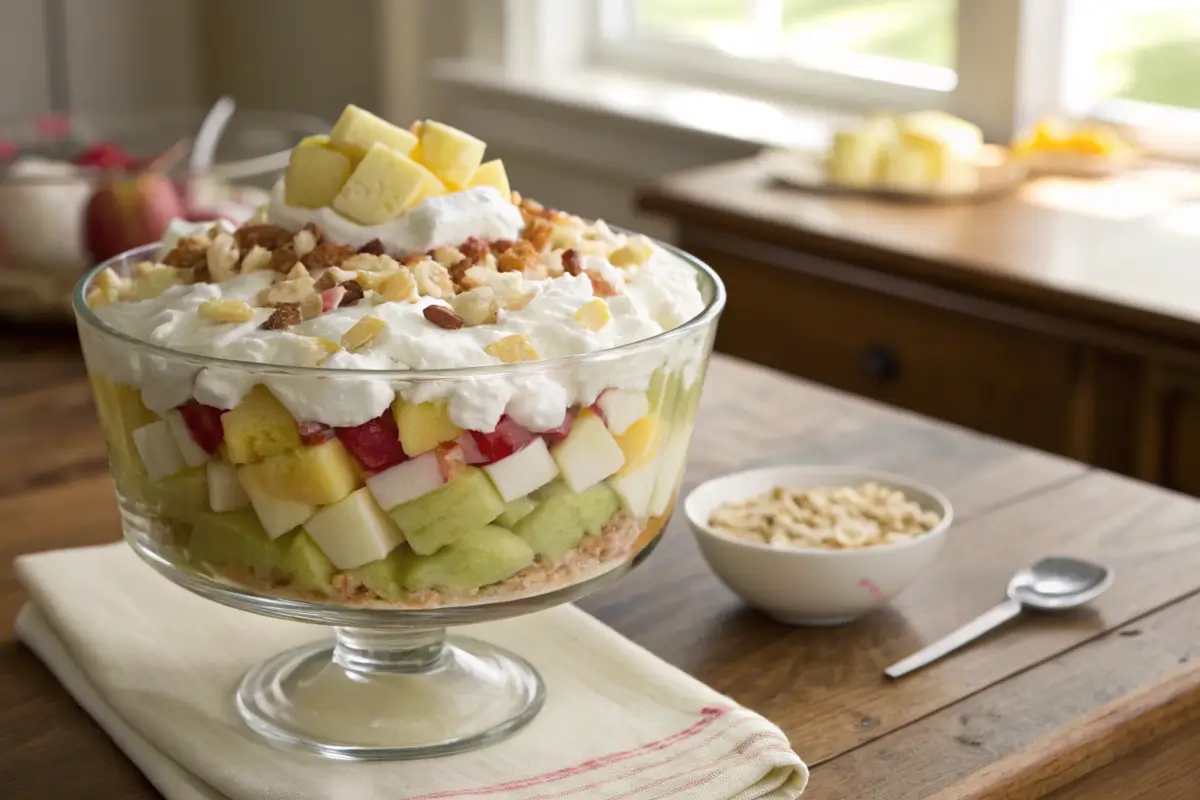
(656, 296)
(447, 220)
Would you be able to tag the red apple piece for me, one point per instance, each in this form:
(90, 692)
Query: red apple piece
(375, 443)
(556, 435)
(204, 424)
(507, 438)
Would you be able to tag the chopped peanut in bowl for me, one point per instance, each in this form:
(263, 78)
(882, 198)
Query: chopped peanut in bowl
(831, 518)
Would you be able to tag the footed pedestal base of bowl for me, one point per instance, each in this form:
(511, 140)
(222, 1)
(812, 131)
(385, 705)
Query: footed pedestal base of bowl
(386, 695)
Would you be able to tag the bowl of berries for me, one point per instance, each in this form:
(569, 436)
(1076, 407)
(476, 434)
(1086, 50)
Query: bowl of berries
(78, 189)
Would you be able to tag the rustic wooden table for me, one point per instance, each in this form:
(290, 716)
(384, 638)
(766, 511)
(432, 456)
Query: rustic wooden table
(1105, 703)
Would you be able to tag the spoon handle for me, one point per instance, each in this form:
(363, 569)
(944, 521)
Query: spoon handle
(988, 620)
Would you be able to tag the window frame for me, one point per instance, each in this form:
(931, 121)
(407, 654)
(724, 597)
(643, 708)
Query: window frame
(1016, 62)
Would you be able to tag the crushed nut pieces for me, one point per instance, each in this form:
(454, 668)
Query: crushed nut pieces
(443, 317)
(512, 349)
(837, 518)
(362, 332)
(284, 316)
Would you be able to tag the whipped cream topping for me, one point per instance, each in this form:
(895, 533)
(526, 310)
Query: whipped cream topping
(447, 220)
(656, 296)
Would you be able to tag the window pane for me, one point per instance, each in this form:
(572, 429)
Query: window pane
(726, 24)
(826, 32)
(1150, 51)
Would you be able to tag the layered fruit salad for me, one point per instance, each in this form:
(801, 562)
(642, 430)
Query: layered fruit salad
(400, 383)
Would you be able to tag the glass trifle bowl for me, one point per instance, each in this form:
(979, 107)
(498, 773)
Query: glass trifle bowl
(318, 416)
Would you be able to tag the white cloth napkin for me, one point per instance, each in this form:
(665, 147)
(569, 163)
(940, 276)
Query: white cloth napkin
(156, 666)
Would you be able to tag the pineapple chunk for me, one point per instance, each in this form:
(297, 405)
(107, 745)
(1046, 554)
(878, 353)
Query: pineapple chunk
(315, 476)
(641, 442)
(258, 428)
(492, 174)
(383, 185)
(121, 412)
(360, 129)
(423, 426)
(316, 173)
(450, 154)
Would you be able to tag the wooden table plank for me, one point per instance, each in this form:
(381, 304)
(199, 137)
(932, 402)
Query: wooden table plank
(960, 740)
(822, 686)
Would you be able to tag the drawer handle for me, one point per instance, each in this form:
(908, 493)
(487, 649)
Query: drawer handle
(880, 363)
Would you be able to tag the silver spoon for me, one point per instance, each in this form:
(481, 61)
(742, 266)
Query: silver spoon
(1052, 584)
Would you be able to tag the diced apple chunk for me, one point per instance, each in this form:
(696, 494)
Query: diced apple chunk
(315, 476)
(277, 515)
(671, 463)
(423, 426)
(354, 531)
(622, 407)
(259, 427)
(492, 174)
(382, 186)
(407, 481)
(450, 154)
(316, 173)
(182, 496)
(528, 469)
(361, 129)
(225, 492)
(156, 446)
(193, 454)
(589, 454)
(636, 488)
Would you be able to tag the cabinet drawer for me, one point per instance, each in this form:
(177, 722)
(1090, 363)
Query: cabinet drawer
(1006, 381)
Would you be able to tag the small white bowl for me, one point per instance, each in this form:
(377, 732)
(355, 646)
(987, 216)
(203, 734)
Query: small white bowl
(813, 586)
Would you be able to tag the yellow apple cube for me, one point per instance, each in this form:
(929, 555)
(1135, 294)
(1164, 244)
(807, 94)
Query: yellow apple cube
(260, 427)
(383, 185)
(315, 476)
(450, 154)
(423, 426)
(121, 412)
(492, 174)
(362, 130)
(316, 173)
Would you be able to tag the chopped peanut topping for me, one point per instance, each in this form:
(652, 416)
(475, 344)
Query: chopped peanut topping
(292, 291)
(432, 279)
(154, 280)
(593, 315)
(477, 307)
(398, 287)
(512, 349)
(225, 309)
(298, 271)
(305, 242)
(222, 257)
(362, 332)
(285, 316)
(367, 262)
(259, 258)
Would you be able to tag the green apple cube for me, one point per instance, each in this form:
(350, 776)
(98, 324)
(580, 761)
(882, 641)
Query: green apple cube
(225, 492)
(589, 454)
(158, 451)
(386, 576)
(671, 461)
(514, 511)
(235, 538)
(193, 454)
(526, 470)
(475, 559)
(277, 515)
(354, 531)
(182, 496)
(562, 517)
(438, 518)
(306, 564)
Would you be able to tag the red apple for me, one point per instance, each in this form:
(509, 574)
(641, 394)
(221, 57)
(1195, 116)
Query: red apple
(204, 424)
(314, 433)
(556, 435)
(105, 155)
(506, 439)
(375, 443)
(471, 452)
(332, 298)
(130, 212)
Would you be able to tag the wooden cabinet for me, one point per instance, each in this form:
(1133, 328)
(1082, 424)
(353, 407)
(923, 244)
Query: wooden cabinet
(984, 375)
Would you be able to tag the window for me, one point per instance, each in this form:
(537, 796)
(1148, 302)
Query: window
(1149, 52)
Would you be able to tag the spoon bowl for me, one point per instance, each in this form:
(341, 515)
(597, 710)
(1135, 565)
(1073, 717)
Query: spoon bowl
(1057, 583)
